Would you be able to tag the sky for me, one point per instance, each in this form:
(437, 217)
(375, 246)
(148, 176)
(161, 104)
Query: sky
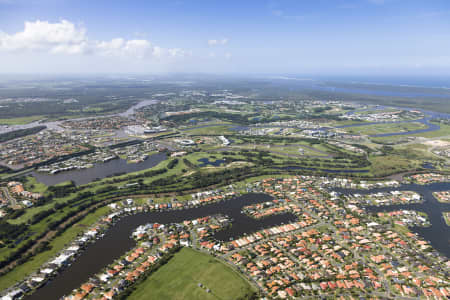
(336, 37)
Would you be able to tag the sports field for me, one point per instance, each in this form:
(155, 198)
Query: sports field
(180, 278)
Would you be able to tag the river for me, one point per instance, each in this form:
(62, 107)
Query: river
(99, 171)
(425, 121)
(429, 115)
(55, 125)
(117, 241)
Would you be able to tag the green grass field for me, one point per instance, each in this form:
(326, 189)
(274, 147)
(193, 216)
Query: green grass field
(374, 111)
(179, 279)
(30, 212)
(290, 149)
(346, 122)
(58, 243)
(20, 121)
(212, 130)
(395, 139)
(296, 151)
(382, 165)
(416, 151)
(444, 131)
(386, 128)
(34, 186)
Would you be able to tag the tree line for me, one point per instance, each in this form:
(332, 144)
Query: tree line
(20, 133)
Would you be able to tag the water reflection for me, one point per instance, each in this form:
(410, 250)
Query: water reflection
(99, 171)
(117, 239)
(438, 233)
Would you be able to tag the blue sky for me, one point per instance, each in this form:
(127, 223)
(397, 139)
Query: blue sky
(279, 36)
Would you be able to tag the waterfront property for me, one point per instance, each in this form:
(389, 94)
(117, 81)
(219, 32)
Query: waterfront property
(333, 245)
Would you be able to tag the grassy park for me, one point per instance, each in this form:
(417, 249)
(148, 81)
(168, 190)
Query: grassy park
(444, 131)
(382, 165)
(209, 130)
(185, 175)
(385, 128)
(180, 278)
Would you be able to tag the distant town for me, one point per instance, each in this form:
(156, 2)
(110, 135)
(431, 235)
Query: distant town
(237, 192)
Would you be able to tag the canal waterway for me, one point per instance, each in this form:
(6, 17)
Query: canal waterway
(56, 124)
(438, 234)
(99, 170)
(117, 241)
(429, 115)
(425, 121)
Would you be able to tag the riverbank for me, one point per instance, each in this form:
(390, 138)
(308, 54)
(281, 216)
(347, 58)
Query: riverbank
(237, 226)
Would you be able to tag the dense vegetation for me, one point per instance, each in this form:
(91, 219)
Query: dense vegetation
(19, 133)
(8, 232)
(27, 232)
(229, 117)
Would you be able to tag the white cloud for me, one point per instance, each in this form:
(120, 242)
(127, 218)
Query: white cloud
(177, 52)
(81, 48)
(67, 38)
(223, 41)
(123, 48)
(158, 51)
(42, 35)
(228, 55)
